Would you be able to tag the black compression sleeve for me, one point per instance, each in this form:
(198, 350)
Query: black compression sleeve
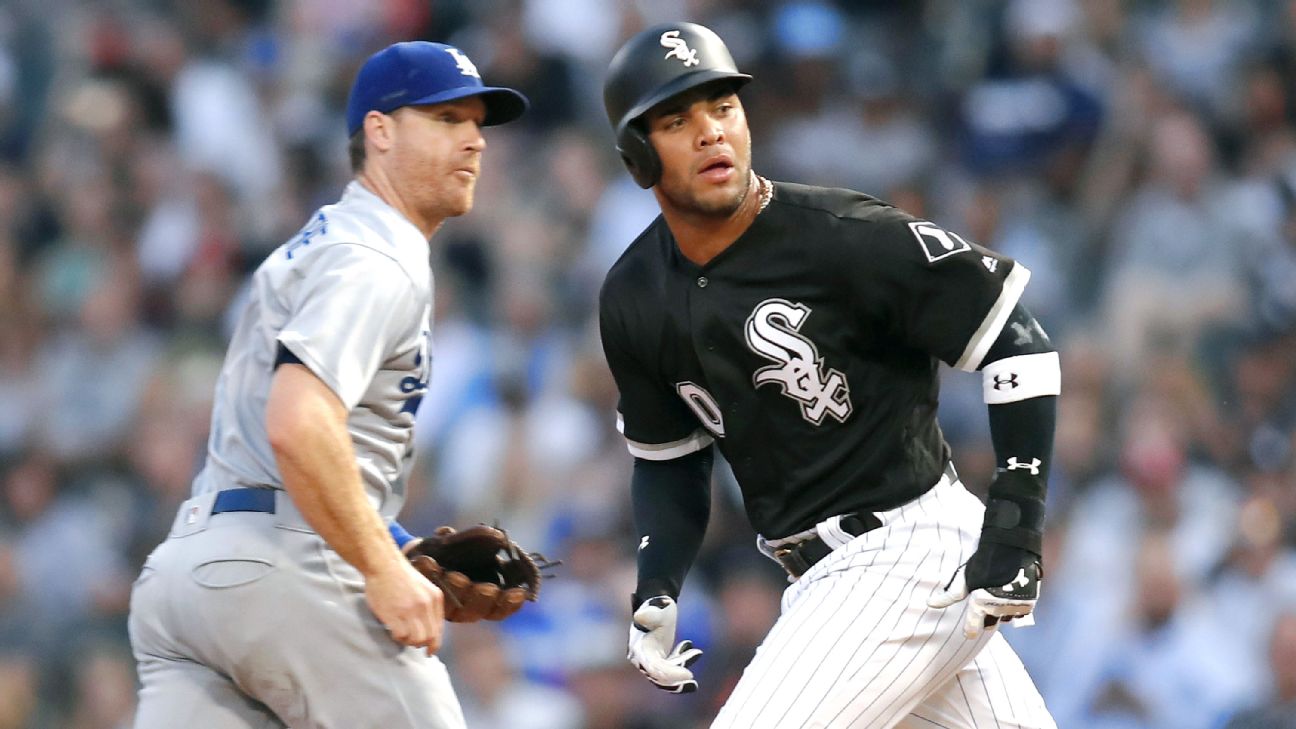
(1022, 433)
(1021, 334)
(672, 504)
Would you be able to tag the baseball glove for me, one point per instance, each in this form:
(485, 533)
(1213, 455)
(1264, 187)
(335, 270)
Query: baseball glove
(483, 574)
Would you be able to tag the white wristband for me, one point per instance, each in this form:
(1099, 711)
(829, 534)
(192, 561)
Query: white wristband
(1022, 377)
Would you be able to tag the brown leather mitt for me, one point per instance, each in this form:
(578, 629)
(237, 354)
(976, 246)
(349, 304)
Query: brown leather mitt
(483, 573)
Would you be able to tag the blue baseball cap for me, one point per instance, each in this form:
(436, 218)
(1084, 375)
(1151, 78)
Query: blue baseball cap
(421, 72)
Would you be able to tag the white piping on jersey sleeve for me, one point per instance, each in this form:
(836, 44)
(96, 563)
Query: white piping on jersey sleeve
(994, 321)
(696, 441)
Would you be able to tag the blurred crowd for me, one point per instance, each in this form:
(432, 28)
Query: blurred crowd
(1138, 156)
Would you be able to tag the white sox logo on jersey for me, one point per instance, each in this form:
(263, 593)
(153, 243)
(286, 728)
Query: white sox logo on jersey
(773, 332)
(678, 48)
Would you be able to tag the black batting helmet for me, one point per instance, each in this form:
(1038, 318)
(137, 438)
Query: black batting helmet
(653, 66)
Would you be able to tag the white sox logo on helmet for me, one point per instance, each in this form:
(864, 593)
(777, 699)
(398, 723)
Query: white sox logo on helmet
(773, 332)
(678, 48)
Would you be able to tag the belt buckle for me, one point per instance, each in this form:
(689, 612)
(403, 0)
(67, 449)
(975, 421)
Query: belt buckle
(790, 557)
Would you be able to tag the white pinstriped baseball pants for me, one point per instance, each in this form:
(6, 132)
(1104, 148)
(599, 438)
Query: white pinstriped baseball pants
(856, 646)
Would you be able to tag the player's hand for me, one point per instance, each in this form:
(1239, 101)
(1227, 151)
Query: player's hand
(411, 608)
(653, 650)
(1000, 583)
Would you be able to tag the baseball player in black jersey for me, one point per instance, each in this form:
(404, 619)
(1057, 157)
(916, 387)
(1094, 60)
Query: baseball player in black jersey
(799, 329)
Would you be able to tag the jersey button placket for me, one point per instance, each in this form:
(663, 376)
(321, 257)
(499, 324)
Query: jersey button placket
(702, 282)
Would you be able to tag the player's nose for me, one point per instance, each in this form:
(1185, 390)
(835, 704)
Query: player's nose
(711, 133)
(475, 142)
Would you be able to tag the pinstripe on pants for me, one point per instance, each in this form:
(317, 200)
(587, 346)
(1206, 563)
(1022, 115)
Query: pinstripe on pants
(857, 647)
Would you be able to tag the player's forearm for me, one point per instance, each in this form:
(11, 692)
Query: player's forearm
(306, 425)
(1022, 435)
(1021, 381)
(672, 505)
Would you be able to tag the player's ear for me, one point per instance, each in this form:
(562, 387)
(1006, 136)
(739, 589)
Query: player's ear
(379, 128)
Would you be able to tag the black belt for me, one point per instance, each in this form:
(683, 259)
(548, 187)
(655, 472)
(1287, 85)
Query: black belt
(798, 558)
(262, 500)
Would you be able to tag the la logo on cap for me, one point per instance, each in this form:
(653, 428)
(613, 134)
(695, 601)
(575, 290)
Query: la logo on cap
(466, 66)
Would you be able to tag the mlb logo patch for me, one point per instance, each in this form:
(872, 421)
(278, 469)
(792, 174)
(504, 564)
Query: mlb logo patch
(191, 516)
(937, 243)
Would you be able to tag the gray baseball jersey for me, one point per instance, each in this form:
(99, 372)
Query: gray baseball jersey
(316, 296)
(246, 618)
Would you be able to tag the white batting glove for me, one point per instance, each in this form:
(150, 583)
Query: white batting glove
(989, 605)
(653, 650)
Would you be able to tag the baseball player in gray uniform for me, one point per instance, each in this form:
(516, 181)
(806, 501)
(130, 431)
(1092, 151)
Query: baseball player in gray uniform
(281, 596)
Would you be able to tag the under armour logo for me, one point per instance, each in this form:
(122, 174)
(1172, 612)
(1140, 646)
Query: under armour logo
(466, 66)
(1021, 580)
(1033, 466)
(643, 542)
(1009, 382)
(773, 332)
(679, 48)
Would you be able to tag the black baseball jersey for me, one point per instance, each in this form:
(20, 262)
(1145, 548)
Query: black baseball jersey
(807, 350)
